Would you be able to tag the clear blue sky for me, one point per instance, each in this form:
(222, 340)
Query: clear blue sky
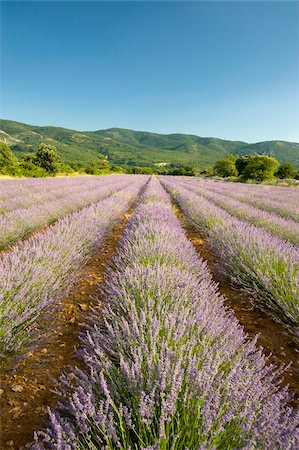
(225, 69)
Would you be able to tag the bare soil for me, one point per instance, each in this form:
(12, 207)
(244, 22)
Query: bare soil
(274, 337)
(26, 389)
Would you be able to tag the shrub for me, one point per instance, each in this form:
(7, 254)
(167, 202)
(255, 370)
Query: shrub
(286, 171)
(226, 167)
(8, 162)
(47, 158)
(260, 168)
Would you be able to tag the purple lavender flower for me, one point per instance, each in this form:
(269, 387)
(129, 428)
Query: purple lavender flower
(167, 365)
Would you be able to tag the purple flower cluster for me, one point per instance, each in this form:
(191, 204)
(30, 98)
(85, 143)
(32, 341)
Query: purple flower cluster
(26, 192)
(282, 201)
(254, 259)
(27, 212)
(167, 365)
(282, 227)
(39, 271)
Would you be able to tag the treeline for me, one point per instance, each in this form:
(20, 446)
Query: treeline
(46, 162)
(192, 171)
(255, 168)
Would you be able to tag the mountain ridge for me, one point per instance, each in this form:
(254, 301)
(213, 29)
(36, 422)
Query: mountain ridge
(123, 146)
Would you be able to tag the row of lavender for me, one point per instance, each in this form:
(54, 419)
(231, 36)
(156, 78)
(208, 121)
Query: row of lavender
(263, 192)
(37, 272)
(12, 188)
(167, 365)
(20, 192)
(283, 227)
(254, 259)
(51, 206)
(274, 199)
(26, 192)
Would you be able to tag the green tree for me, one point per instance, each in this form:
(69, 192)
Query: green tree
(77, 167)
(8, 162)
(226, 167)
(286, 171)
(102, 163)
(116, 169)
(242, 162)
(47, 158)
(29, 168)
(260, 168)
(207, 171)
(65, 168)
(189, 171)
(98, 167)
(140, 170)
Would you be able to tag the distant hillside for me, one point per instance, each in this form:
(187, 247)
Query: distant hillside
(137, 148)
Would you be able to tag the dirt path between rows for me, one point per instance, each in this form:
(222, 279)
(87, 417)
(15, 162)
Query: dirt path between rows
(274, 337)
(26, 387)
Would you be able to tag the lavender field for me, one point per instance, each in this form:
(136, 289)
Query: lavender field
(106, 303)
(258, 249)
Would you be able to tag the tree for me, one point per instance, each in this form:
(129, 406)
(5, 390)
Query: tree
(102, 162)
(116, 169)
(8, 162)
(29, 168)
(286, 171)
(226, 167)
(260, 168)
(207, 171)
(139, 170)
(242, 162)
(98, 167)
(47, 158)
(188, 171)
(65, 168)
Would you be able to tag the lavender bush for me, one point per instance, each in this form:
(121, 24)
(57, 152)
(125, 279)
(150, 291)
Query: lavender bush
(167, 365)
(48, 207)
(254, 259)
(284, 228)
(26, 192)
(282, 201)
(38, 272)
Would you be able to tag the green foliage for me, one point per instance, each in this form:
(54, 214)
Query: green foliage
(260, 168)
(249, 167)
(188, 171)
(226, 167)
(102, 162)
(116, 169)
(28, 168)
(47, 158)
(286, 171)
(140, 170)
(42, 163)
(182, 170)
(8, 162)
(98, 167)
(207, 171)
(77, 167)
(241, 163)
(65, 168)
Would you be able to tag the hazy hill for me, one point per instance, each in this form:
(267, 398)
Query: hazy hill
(139, 148)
